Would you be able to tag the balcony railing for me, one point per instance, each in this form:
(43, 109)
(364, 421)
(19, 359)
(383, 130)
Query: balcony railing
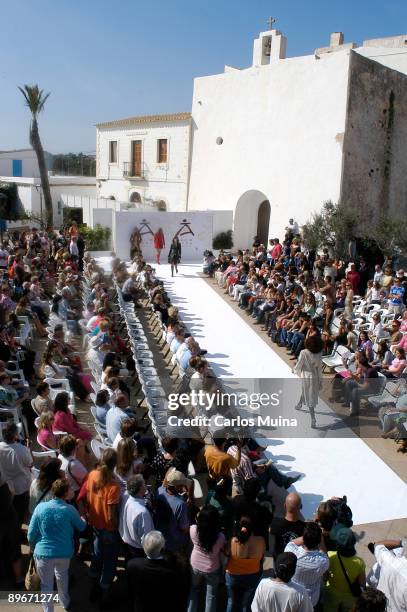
(133, 170)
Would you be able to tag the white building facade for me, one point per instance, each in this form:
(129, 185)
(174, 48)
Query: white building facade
(269, 141)
(22, 162)
(145, 159)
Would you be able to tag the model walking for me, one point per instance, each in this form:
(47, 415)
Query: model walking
(309, 369)
(174, 256)
(159, 243)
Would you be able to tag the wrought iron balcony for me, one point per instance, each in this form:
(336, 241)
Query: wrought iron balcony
(133, 170)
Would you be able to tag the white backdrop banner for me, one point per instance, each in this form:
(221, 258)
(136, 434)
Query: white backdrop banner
(194, 230)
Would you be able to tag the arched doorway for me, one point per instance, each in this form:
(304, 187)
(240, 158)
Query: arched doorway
(251, 218)
(263, 222)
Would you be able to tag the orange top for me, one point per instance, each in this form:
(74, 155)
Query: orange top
(245, 558)
(218, 462)
(73, 231)
(242, 566)
(100, 500)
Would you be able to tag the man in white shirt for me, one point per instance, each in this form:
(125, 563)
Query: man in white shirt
(16, 462)
(75, 471)
(391, 572)
(378, 274)
(280, 594)
(292, 227)
(312, 561)
(135, 518)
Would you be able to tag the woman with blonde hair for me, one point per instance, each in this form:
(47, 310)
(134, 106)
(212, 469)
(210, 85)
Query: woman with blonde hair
(45, 435)
(128, 462)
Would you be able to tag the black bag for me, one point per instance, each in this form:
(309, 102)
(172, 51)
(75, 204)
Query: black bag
(354, 587)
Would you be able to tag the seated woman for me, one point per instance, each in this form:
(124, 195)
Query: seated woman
(8, 394)
(11, 349)
(64, 419)
(160, 306)
(100, 345)
(45, 435)
(397, 366)
(49, 369)
(383, 356)
(23, 309)
(102, 406)
(393, 415)
(43, 402)
(365, 345)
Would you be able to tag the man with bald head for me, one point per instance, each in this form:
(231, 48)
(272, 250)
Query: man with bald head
(287, 528)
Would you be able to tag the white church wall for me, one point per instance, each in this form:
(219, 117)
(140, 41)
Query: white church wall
(392, 57)
(282, 127)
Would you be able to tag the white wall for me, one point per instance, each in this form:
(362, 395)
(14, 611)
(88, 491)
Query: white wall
(29, 162)
(193, 246)
(81, 188)
(78, 189)
(282, 128)
(90, 205)
(166, 182)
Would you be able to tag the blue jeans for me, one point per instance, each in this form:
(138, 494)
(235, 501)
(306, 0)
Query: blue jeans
(241, 590)
(297, 340)
(200, 580)
(104, 558)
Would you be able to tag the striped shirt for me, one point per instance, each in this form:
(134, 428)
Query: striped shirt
(311, 566)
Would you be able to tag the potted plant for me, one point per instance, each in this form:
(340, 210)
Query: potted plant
(223, 240)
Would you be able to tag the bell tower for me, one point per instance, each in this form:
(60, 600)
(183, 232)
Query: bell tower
(270, 45)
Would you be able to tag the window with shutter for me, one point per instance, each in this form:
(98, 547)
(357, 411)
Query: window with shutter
(162, 151)
(113, 152)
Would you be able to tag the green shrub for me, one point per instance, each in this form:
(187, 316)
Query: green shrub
(97, 238)
(223, 240)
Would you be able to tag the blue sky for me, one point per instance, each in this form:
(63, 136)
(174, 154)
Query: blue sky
(104, 60)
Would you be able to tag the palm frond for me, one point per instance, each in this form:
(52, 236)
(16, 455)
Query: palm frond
(34, 97)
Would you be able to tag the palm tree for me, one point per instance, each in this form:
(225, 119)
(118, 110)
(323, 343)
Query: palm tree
(35, 100)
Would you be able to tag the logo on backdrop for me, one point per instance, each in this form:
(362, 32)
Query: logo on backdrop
(185, 229)
(145, 228)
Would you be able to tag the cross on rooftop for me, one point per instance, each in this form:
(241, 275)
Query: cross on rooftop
(270, 22)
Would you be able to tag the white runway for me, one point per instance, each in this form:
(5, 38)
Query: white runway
(330, 463)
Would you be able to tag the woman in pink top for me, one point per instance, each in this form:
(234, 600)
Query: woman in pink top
(395, 369)
(208, 543)
(65, 421)
(45, 435)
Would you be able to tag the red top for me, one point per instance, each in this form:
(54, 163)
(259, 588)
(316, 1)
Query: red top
(159, 240)
(64, 421)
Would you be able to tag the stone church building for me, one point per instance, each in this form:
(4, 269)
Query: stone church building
(277, 139)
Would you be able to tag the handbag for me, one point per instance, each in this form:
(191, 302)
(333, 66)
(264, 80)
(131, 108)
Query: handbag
(32, 580)
(354, 587)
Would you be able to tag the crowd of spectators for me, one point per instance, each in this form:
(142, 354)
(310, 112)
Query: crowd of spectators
(114, 493)
(316, 307)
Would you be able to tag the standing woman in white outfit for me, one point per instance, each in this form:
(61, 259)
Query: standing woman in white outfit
(309, 369)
